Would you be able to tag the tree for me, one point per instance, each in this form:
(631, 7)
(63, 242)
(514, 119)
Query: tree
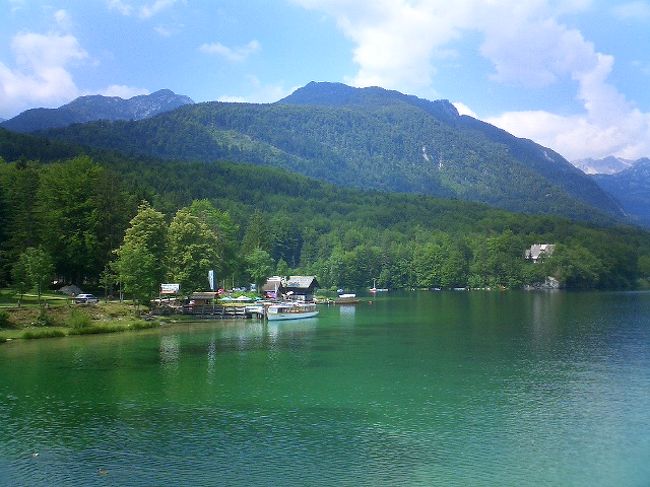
(139, 265)
(20, 183)
(116, 207)
(575, 266)
(192, 251)
(644, 266)
(222, 225)
(257, 235)
(259, 265)
(68, 217)
(148, 229)
(286, 238)
(282, 268)
(107, 278)
(136, 268)
(33, 270)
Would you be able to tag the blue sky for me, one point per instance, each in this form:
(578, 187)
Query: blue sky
(570, 74)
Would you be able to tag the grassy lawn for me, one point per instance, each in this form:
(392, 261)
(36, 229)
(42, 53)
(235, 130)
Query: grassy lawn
(60, 316)
(9, 298)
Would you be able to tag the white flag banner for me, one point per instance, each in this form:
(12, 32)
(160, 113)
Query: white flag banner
(211, 279)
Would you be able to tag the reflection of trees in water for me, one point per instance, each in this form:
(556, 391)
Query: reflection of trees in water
(544, 319)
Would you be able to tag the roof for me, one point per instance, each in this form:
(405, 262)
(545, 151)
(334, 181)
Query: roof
(300, 282)
(272, 284)
(537, 250)
(204, 295)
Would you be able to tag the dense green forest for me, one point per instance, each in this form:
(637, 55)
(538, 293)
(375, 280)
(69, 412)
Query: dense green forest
(244, 221)
(365, 138)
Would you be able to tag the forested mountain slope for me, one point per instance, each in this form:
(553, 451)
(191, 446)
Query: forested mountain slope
(96, 107)
(76, 206)
(366, 138)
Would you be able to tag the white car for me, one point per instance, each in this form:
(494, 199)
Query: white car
(86, 298)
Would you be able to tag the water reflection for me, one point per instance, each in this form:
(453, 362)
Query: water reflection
(422, 389)
(169, 350)
(306, 326)
(545, 319)
(347, 313)
(212, 357)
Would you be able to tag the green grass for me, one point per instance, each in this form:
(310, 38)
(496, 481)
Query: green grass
(43, 333)
(4, 319)
(78, 319)
(144, 325)
(98, 328)
(113, 327)
(8, 297)
(61, 317)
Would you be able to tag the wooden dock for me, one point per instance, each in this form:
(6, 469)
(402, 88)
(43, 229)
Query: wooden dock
(215, 312)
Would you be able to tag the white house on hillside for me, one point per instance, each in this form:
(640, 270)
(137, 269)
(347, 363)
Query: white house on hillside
(537, 252)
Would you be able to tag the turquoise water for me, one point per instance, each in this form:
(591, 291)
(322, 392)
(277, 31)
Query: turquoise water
(448, 388)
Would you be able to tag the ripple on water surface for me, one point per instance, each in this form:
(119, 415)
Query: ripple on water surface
(542, 392)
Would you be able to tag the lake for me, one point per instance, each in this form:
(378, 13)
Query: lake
(420, 388)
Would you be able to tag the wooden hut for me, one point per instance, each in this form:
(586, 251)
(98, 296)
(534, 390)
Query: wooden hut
(299, 288)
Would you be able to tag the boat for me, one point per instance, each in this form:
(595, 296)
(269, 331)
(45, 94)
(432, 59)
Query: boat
(374, 289)
(290, 311)
(346, 298)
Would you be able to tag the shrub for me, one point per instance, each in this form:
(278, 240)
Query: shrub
(4, 319)
(143, 325)
(78, 319)
(44, 318)
(96, 329)
(46, 333)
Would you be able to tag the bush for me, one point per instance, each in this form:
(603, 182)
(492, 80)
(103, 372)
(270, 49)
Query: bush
(143, 325)
(4, 319)
(47, 333)
(44, 318)
(78, 319)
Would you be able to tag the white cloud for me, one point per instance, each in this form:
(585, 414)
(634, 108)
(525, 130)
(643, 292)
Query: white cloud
(123, 91)
(398, 42)
(464, 109)
(609, 123)
(63, 20)
(152, 9)
(16, 5)
(163, 31)
(122, 7)
(259, 92)
(143, 10)
(234, 54)
(41, 75)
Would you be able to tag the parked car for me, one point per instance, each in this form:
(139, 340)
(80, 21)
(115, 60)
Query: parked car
(86, 298)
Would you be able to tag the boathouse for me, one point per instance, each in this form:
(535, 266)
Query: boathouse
(272, 287)
(299, 288)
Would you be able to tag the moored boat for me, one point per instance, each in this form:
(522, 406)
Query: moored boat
(290, 311)
(347, 298)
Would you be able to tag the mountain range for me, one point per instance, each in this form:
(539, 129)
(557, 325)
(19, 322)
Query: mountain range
(96, 107)
(367, 138)
(631, 187)
(606, 165)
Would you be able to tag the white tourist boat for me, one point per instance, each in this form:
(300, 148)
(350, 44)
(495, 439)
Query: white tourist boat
(291, 311)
